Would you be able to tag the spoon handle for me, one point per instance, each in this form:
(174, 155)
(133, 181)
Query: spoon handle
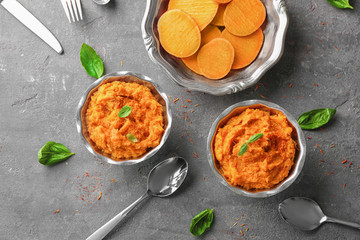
(110, 225)
(346, 223)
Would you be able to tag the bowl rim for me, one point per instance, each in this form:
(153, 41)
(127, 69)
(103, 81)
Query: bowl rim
(152, 46)
(82, 101)
(300, 159)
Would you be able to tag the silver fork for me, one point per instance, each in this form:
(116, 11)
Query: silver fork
(72, 8)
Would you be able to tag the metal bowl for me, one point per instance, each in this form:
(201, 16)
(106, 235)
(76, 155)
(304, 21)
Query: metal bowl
(274, 29)
(132, 77)
(298, 160)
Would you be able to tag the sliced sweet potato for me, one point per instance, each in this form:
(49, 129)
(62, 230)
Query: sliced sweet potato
(246, 48)
(191, 62)
(208, 34)
(202, 11)
(243, 17)
(179, 34)
(222, 1)
(219, 17)
(216, 58)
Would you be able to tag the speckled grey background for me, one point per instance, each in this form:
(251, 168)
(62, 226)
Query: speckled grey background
(39, 91)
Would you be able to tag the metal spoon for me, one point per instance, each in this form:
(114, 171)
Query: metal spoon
(101, 2)
(163, 180)
(306, 214)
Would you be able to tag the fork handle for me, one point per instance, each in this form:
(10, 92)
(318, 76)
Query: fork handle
(110, 225)
(342, 222)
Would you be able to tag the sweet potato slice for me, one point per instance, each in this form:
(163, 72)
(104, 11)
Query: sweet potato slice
(179, 34)
(243, 17)
(216, 58)
(222, 1)
(219, 17)
(202, 11)
(208, 34)
(191, 62)
(246, 48)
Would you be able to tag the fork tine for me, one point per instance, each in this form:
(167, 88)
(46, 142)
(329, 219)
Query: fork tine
(75, 9)
(63, 2)
(71, 10)
(78, 4)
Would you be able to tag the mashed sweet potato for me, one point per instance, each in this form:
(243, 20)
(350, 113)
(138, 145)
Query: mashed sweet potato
(108, 131)
(267, 161)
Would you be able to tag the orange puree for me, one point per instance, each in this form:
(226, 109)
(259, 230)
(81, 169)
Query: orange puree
(267, 161)
(108, 131)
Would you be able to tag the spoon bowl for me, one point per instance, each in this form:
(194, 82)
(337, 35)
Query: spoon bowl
(163, 180)
(303, 213)
(166, 177)
(306, 214)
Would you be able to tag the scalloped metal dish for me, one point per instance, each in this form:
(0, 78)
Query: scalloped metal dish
(299, 159)
(274, 29)
(130, 161)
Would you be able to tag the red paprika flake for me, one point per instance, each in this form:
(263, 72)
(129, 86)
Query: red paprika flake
(319, 148)
(100, 195)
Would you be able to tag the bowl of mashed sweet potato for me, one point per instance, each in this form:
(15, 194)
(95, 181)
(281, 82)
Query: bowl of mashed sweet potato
(256, 148)
(124, 118)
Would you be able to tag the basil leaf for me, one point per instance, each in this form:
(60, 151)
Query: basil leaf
(91, 61)
(315, 118)
(255, 137)
(52, 153)
(125, 111)
(340, 3)
(243, 149)
(131, 137)
(201, 222)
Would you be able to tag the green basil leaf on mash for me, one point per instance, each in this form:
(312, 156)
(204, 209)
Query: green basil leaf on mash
(255, 137)
(91, 62)
(125, 111)
(52, 153)
(131, 138)
(201, 222)
(252, 139)
(243, 149)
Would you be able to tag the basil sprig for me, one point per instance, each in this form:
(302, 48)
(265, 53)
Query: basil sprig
(125, 111)
(315, 118)
(340, 3)
(91, 61)
(252, 139)
(52, 153)
(131, 138)
(201, 222)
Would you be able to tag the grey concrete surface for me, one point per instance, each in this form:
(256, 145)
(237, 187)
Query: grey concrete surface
(39, 91)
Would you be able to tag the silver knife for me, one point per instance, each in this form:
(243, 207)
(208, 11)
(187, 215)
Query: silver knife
(31, 22)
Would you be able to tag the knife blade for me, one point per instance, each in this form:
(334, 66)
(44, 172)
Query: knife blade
(31, 22)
